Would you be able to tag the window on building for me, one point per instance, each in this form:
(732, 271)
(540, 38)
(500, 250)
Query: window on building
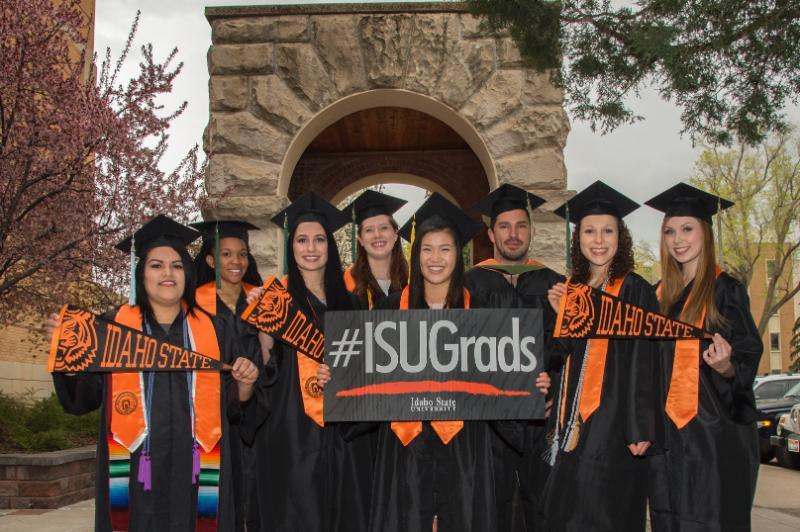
(775, 341)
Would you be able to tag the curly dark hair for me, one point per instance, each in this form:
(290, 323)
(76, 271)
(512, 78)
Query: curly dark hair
(621, 265)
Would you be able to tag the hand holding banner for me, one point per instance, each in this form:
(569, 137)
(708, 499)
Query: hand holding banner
(85, 342)
(586, 312)
(276, 314)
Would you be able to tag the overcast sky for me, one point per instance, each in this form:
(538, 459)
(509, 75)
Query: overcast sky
(640, 160)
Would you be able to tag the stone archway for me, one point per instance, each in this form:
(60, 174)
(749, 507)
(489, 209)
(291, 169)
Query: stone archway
(281, 75)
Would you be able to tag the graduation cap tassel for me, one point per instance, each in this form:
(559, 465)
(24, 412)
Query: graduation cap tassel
(285, 244)
(720, 259)
(411, 240)
(353, 237)
(132, 267)
(217, 278)
(569, 244)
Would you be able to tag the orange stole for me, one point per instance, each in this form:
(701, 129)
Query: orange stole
(406, 431)
(310, 389)
(349, 280)
(127, 413)
(592, 391)
(206, 296)
(684, 384)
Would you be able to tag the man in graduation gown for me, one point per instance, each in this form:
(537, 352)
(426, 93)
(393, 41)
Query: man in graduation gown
(518, 446)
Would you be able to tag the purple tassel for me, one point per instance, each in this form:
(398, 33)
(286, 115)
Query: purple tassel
(195, 463)
(145, 473)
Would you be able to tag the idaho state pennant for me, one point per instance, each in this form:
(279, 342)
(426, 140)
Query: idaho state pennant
(275, 314)
(85, 342)
(586, 312)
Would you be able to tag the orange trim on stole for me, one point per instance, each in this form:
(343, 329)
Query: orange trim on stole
(684, 384)
(128, 424)
(349, 280)
(592, 391)
(406, 431)
(206, 296)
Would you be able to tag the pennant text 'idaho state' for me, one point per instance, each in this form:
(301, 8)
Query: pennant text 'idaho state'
(86, 342)
(276, 314)
(586, 312)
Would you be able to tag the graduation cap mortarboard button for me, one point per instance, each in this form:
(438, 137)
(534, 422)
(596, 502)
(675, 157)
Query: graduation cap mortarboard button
(160, 230)
(311, 207)
(686, 200)
(597, 198)
(505, 198)
(437, 205)
(372, 203)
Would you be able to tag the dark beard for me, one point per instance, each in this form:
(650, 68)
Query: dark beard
(512, 257)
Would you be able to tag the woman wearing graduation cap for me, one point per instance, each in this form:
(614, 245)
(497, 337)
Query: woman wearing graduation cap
(604, 419)
(171, 426)
(434, 475)
(379, 267)
(226, 273)
(706, 479)
(312, 476)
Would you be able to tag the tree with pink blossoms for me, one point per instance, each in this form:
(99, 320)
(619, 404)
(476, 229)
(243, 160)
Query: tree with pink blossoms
(79, 158)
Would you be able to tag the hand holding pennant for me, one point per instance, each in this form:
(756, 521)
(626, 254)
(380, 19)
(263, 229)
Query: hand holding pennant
(85, 342)
(586, 312)
(276, 314)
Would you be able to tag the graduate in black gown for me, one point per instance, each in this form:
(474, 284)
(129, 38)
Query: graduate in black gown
(518, 446)
(310, 477)
(707, 478)
(222, 293)
(380, 267)
(435, 475)
(148, 449)
(605, 415)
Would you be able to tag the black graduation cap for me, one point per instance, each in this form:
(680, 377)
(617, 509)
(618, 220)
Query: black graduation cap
(311, 208)
(436, 204)
(686, 200)
(160, 231)
(506, 198)
(597, 198)
(224, 229)
(371, 203)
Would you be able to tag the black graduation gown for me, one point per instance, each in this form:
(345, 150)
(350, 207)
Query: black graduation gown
(600, 485)
(707, 478)
(171, 505)
(427, 478)
(518, 447)
(309, 478)
(245, 339)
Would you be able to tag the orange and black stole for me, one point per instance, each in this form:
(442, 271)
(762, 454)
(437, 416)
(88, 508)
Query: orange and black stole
(684, 384)
(310, 390)
(127, 424)
(406, 431)
(350, 284)
(591, 389)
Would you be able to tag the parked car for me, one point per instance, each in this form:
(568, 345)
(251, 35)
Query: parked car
(786, 442)
(774, 386)
(769, 412)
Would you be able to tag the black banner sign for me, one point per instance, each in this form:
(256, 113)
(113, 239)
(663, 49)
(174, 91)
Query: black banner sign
(276, 314)
(409, 365)
(86, 342)
(586, 312)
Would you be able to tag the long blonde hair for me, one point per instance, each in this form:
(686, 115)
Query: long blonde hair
(702, 293)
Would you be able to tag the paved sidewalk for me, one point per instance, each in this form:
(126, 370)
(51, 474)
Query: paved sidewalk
(776, 508)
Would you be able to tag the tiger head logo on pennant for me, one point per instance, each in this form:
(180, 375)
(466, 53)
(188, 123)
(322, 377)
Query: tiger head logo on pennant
(578, 311)
(272, 310)
(77, 341)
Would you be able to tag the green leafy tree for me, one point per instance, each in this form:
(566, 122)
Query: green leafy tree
(730, 65)
(764, 182)
(647, 261)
